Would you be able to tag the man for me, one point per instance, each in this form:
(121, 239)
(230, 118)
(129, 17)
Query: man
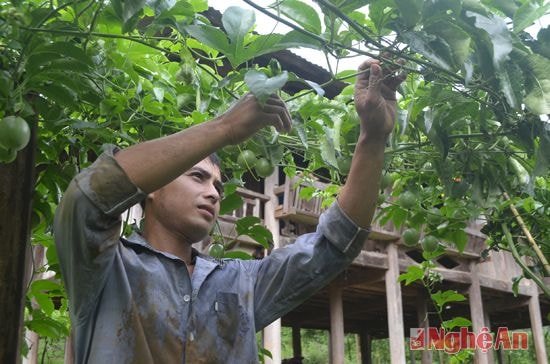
(151, 298)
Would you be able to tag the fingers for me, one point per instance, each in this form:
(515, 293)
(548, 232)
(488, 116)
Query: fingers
(376, 77)
(379, 77)
(278, 113)
(364, 74)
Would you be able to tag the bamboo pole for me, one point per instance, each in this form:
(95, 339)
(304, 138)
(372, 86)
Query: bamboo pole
(530, 239)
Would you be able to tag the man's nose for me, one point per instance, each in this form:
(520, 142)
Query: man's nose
(212, 193)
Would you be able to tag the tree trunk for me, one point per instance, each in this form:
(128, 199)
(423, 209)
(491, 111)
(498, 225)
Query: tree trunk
(16, 190)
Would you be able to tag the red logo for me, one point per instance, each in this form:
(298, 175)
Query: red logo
(453, 341)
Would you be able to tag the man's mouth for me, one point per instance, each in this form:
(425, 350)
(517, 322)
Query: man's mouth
(208, 209)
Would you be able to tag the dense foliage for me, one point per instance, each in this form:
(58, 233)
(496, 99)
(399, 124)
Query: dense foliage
(472, 139)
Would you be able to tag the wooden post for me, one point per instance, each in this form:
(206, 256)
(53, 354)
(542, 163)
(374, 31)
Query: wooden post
(476, 311)
(487, 320)
(272, 333)
(16, 194)
(423, 321)
(69, 356)
(336, 325)
(395, 308)
(501, 357)
(33, 340)
(536, 327)
(366, 347)
(296, 342)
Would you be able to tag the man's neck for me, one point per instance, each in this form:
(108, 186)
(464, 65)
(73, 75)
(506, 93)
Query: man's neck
(169, 242)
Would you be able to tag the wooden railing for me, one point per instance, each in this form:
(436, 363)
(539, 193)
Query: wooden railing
(294, 208)
(225, 228)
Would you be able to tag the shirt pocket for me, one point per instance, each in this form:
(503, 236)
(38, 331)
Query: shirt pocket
(227, 314)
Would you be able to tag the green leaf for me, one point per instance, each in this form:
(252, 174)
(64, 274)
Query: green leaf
(261, 234)
(543, 40)
(160, 5)
(269, 43)
(299, 127)
(460, 239)
(261, 86)
(399, 216)
(131, 8)
(159, 93)
(303, 14)
(57, 93)
(250, 226)
(212, 37)
(347, 6)
(421, 42)
(245, 223)
(457, 39)
(441, 298)
(48, 327)
(129, 12)
(515, 285)
(306, 193)
(506, 6)
(435, 133)
(410, 11)
(527, 14)
(199, 5)
(414, 273)
(45, 302)
(262, 44)
(295, 39)
(66, 49)
(499, 35)
(543, 152)
(456, 322)
(237, 22)
(45, 285)
(230, 203)
(328, 153)
(537, 99)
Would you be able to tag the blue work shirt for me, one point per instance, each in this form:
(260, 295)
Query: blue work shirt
(130, 303)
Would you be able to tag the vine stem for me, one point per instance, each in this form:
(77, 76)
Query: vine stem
(103, 35)
(453, 76)
(521, 263)
(527, 233)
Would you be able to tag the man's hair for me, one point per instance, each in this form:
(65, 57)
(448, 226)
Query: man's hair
(213, 158)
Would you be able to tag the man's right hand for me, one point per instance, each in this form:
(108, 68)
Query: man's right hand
(248, 116)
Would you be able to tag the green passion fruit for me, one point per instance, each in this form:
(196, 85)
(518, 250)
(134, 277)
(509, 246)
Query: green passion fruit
(14, 133)
(216, 250)
(410, 237)
(434, 216)
(246, 159)
(264, 168)
(408, 200)
(386, 181)
(430, 243)
(344, 164)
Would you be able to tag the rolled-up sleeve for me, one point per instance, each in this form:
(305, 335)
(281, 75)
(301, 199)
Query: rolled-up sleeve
(87, 227)
(291, 274)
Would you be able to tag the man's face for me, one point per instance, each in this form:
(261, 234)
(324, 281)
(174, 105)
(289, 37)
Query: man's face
(189, 205)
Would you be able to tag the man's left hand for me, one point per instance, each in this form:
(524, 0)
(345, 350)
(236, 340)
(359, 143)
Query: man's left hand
(375, 99)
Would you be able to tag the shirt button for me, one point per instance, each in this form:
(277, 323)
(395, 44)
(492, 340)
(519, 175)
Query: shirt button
(186, 298)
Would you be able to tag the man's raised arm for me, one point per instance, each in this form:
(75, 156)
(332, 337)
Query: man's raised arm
(375, 103)
(153, 164)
